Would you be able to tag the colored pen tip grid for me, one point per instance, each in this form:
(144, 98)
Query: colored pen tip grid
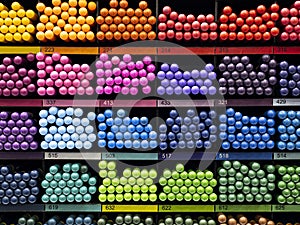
(249, 25)
(173, 25)
(122, 23)
(134, 185)
(242, 219)
(72, 220)
(240, 77)
(18, 187)
(69, 21)
(173, 81)
(290, 23)
(66, 128)
(123, 75)
(28, 219)
(289, 79)
(191, 130)
(136, 219)
(17, 76)
(238, 131)
(289, 130)
(71, 182)
(189, 186)
(57, 75)
(120, 131)
(288, 184)
(186, 220)
(17, 131)
(16, 23)
(242, 183)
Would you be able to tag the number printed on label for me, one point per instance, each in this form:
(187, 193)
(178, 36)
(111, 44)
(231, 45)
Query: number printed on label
(166, 207)
(223, 207)
(223, 155)
(110, 155)
(165, 50)
(48, 49)
(166, 155)
(53, 155)
(165, 102)
(53, 207)
(281, 101)
(281, 155)
(222, 102)
(279, 207)
(50, 102)
(108, 102)
(110, 207)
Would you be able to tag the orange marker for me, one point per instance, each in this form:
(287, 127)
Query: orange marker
(104, 27)
(134, 20)
(117, 36)
(90, 20)
(82, 3)
(108, 20)
(143, 4)
(121, 12)
(56, 10)
(53, 19)
(130, 28)
(126, 35)
(12, 14)
(64, 7)
(61, 23)
(48, 11)
(130, 12)
(139, 28)
(44, 19)
(126, 20)
(92, 6)
(138, 12)
(143, 20)
(85, 28)
(147, 28)
(76, 28)
(90, 36)
(49, 26)
(21, 13)
(56, 30)
(113, 3)
(113, 28)
(100, 20)
(109, 35)
(73, 36)
(56, 2)
(117, 20)
(123, 4)
(40, 27)
(151, 35)
(121, 27)
(65, 16)
(22, 29)
(113, 12)
(68, 28)
(29, 28)
(134, 35)
(104, 12)
(72, 11)
(152, 20)
(64, 36)
(143, 35)
(72, 20)
(81, 36)
(73, 3)
(49, 35)
(81, 20)
(12, 29)
(147, 12)
(40, 7)
(100, 36)
(40, 36)
(83, 12)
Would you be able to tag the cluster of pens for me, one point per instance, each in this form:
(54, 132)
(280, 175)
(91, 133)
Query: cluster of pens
(289, 130)
(66, 128)
(173, 81)
(16, 24)
(28, 219)
(243, 220)
(186, 220)
(17, 131)
(123, 23)
(247, 25)
(120, 131)
(18, 187)
(188, 130)
(134, 184)
(244, 132)
(240, 77)
(290, 22)
(123, 75)
(179, 26)
(71, 182)
(289, 184)
(57, 74)
(242, 183)
(127, 219)
(17, 76)
(72, 220)
(289, 79)
(181, 185)
(67, 21)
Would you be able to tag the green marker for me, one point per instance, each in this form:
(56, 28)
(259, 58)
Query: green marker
(244, 169)
(110, 189)
(183, 175)
(263, 190)
(144, 173)
(271, 186)
(223, 198)
(127, 188)
(297, 200)
(119, 198)
(255, 166)
(246, 181)
(144, 197)
(192, 190)
(223, 180)
(162, 181)
(136, 197)
(290, 170)
(295, 193)
(188, 197)
(240, 197)
(148, 181)
(239, 185)
(179, 167)
(127, 173)
(259, 198)
(281, 170)
(200, 190)
(131, 181)
(231, 180)
(193, 175)
(232, 198)
(236, 165)
(270, 168)
(175, 189)
(208, 190)
(188, 182)
(295, 178)
(144, 189)
(171, 197)
(213, 182)
(213, 197)
(246, 190)
(249, 197)
(291, 185)
(153, 197)
(290, 200)
(231, 189)
(200, 175)
(254, 190)
(183, 190)
(251, 174)
(179, 182)
(167, 189)
(102, 165)
(263, 181)
(103, 173)
(196, 183)
(281, 185)
(204, 183)
(231, 172)
(260, 173)
(209, 175)
(175, 175)
(196, 197)
(239, 176)
(227, 165)
(179, 197)
(222, 172)
(127, 197)
(171, 182)
(111, 165)
(223, 189)
(102, 189)
(115, 181)
(286, 193)
(119, 189)
(204, 197)
(152, 174)
(106, 182)
(123, 181)
(110, 197)
(267, 197)
(112, 174)
(255, 182)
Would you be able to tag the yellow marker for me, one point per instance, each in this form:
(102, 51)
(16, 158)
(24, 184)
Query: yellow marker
(25, 21)
(83, 12)
(17, 21)
(92, 6)
(40, 27)
(21, 13)
(48, 11)
(76, 28)
(72, 11)
(40, 36)
(40, 7)
(4, 29)
(72, 20)
(18, 37)
(85, 28)
(68, 28)
(90, 20)
(73, 3)
(4, 14)
(80, 20)
(61, 23)
(30, 29)
(21, 29)
(44, 19)
(53, 19)
(65, 15)
(12, 29)
(12, 14)
(64, 6)
(1, 21)
(31, 14)
(2, 38)
(82, 3)
(81, 36)
(73, 36)
(9, 37)
(16, 6)
(49, 26)
(27, 37)
(3, 7)
(49, 35)
(90, 36)
(64, 36)
(8, 21)
(56, 10)
(56, 2)
(56, 30)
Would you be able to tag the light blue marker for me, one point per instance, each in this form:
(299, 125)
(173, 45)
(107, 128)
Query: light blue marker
(78, 112)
